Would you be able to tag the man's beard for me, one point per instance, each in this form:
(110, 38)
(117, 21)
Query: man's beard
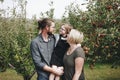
(49, 33)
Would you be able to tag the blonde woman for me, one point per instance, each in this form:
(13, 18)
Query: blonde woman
(74, 58)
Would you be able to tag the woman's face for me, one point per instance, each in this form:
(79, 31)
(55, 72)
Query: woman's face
(62, 30)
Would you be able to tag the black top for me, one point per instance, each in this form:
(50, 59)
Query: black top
(69, 64)
(59, 51)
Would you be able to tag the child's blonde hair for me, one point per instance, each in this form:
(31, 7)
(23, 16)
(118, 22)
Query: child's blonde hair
(67, 27)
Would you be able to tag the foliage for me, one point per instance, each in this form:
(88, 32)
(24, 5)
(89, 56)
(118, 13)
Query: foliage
(16, 34)
(1, 0)
(50, 13)
(15, 42)
(101, 27)
(100, 24)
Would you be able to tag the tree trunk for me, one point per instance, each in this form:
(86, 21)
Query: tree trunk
(27, 77)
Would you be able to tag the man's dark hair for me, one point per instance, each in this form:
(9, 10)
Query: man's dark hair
(44, 22)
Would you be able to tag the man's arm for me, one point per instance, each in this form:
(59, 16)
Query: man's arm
(37, 60)
(52, 70)
(36, 55)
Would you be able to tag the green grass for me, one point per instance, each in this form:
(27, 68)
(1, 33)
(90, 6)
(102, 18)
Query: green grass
(100, 72)
(11, 74)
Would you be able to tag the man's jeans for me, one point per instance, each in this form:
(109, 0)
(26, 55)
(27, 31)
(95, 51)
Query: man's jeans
(40, 77)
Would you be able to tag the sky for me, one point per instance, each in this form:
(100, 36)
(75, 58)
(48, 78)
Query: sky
(35, 7)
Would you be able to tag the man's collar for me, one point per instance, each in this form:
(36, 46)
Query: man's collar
(49, 37)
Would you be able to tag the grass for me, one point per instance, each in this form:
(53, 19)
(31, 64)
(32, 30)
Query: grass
(100, 72)
(11, 74)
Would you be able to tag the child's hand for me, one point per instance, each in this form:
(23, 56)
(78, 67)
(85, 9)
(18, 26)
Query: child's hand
(59, 72)
(62, 68)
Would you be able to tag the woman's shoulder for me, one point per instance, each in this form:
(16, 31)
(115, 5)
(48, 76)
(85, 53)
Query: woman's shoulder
(79, 52)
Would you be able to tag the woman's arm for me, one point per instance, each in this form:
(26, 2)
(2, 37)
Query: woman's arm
(79, 62)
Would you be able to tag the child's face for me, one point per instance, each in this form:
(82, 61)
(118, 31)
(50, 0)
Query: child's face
(62, 30)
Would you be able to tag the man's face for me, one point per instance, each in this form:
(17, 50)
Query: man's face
(51, 29)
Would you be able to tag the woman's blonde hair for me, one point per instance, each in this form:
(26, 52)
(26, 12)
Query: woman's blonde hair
(75, 36)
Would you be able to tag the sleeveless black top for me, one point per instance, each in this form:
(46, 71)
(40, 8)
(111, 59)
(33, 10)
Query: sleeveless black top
(59, 51)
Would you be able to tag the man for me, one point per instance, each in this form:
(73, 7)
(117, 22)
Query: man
(41, 49)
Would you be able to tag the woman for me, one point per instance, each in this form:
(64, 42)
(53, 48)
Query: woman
(60, 49)
(74, 58)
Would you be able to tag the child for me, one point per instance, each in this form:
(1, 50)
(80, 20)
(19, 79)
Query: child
(60, 49)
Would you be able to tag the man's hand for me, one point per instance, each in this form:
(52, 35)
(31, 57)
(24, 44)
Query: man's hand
(58, 71)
